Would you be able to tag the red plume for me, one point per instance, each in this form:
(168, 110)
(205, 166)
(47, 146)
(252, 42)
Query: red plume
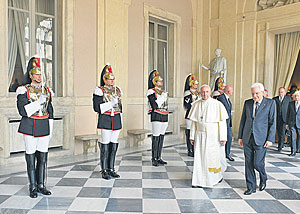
(193, 78)
(38, 62)
(109, 69)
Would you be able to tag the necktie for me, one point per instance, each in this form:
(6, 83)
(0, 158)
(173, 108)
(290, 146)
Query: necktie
(297, 106)
(256, 107)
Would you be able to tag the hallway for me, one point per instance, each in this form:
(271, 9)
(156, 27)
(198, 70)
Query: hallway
(77, 187)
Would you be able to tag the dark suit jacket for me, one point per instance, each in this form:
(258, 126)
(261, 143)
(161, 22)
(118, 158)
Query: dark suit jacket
(263, 125)
(282, 107)
(228, 106)
(292, 115)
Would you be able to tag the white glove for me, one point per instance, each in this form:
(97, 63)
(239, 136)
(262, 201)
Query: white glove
(41, 100)
(114, 101)
(165, 95)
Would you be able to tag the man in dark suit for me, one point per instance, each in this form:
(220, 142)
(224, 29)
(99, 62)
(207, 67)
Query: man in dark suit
(293, 123)
(282, 103)
(224, 99)
(256, 133)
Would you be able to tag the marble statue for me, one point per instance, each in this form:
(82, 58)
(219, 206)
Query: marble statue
(217, 68)
(266, 4)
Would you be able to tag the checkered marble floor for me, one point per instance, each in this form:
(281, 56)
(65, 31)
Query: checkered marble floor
(78, 188)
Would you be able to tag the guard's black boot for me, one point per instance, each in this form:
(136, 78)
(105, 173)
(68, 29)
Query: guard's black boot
(30, 161)
(113, 147)
(104, 149)
(155, 141)
(160, 146)
(190, 147)
(41, 172)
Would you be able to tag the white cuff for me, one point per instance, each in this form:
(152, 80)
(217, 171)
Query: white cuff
(51, 126)
(31, 108)
(105, 107)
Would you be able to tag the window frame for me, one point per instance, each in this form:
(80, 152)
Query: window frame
(156, 22)
(33, 14)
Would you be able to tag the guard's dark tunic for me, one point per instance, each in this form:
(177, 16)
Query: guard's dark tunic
(158, 113)
(189, 97)
(106, 120)
(36, 125)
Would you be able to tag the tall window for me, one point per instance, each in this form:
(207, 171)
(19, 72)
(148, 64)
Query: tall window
(32, 30)
(161, 50)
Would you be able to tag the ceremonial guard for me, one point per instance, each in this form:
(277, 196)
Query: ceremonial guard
(107, 103)
(158, 101)
(34, 103)
(219, 87)
(191, 94)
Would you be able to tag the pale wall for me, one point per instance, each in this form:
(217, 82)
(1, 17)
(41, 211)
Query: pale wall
(85, 67)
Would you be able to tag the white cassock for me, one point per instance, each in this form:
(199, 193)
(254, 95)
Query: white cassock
(208, 129)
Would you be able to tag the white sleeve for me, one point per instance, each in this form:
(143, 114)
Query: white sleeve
(98, 92)
(31, 108)
(105, 107)
(223, 130)
(193, 130)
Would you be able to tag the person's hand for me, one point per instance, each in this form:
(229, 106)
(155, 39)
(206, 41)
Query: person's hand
(268, 144)
(42, 99)
(114, 101)
(287, 127)
(240, 142)
(192, 142)
(223, 142)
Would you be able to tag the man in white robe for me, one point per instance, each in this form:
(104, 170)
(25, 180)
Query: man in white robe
(209, 135)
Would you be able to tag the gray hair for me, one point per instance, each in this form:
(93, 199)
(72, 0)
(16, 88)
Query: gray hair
(205, 86)
(257, 84)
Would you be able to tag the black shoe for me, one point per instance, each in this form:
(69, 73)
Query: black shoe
(279, 149)
(262, 186)
(33, 193)
(191, 154)
(162, 162)
(44, 191)
(113, 174)
(106, 175)
(249, 191)
(292, 154)
(154, 163)
(230, 158)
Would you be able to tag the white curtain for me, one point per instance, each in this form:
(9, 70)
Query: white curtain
(286, 54)
(16, 36)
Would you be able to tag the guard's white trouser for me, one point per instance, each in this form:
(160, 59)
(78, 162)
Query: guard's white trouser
(159, 128)
(109, 136)
(188, 123)
(33, 144)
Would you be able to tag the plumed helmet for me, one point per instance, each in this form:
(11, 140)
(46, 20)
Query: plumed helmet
(33, 67)
(153, 79)
(190, 82)
(219, 84)
(106, 74)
